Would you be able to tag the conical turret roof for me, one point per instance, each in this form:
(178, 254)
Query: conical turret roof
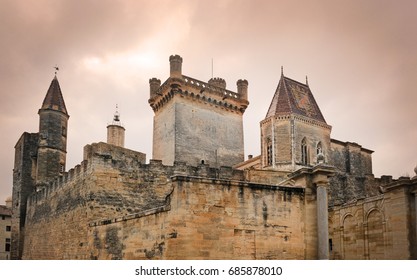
(292, 97)
(54, 99)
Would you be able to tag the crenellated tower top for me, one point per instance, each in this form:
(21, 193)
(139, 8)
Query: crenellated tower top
(175, 62)
(189, 111)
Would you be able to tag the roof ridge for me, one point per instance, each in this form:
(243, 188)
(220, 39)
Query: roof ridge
(287, 93)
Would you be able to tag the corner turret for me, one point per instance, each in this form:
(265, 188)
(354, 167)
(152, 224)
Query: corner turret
(218, 82)
(175, 62)
(53, 126)
(154, 85)
(242, 89)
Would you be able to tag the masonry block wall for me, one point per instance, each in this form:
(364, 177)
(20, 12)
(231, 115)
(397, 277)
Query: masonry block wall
(285, 134)
(353, 178)
(113, 206)
(379, 227)
(314, 133)
(210, 219)
(24, 175)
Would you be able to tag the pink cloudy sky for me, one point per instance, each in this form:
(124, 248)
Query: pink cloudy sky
(360, 58)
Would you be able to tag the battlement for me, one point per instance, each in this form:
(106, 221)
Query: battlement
(44, 192)
(212, 93)
(102, 156)
(218, 82)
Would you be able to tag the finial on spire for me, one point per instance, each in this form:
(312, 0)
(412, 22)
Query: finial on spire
(306, 80)
(116, 117)
(56, 69)
(282, 70)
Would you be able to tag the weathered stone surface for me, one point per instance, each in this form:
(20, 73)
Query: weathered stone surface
(197, 199)
(107, 212)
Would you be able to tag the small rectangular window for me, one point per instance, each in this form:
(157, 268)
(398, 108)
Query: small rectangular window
(64, 131)
(3, 217)
(7, 247)
(8, 228)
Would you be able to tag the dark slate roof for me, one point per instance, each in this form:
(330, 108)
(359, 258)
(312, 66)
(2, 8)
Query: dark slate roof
(5, 211)
(53, 99)
(292, 97)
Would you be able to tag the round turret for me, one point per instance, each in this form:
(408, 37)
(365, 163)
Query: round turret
(218, 82)
(154, 85)
(116, 131)
(242, 89)
(175, 62)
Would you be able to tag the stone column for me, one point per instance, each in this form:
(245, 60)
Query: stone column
(415, 206)
(322, 222)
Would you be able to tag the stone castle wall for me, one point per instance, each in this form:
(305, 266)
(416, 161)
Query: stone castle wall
(23, 186)
(114, 206)
(203, 219)
(353, 179)
(378, 227)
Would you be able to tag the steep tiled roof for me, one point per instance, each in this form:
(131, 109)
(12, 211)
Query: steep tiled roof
(53, 99)
(5, 211)
(292, 97)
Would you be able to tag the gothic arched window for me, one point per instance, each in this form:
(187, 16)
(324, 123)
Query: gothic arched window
(304, 152)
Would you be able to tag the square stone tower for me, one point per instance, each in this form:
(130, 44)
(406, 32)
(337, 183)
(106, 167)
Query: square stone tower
(197, 122)
(294, 133)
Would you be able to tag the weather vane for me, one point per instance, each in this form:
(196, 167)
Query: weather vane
(56, 69)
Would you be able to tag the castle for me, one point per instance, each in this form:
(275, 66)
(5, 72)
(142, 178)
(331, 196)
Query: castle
(306, 196)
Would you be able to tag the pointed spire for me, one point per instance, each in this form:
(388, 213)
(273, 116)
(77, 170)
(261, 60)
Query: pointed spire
(54, 99)
(292, 97)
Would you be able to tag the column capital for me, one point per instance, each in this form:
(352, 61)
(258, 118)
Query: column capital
(322, 184)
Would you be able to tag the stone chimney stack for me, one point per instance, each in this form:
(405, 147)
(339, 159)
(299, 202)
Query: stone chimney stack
(175, 62)
(242, 89)
(154, 85)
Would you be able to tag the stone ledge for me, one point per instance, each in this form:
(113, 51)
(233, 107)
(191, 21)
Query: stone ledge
(138, 215)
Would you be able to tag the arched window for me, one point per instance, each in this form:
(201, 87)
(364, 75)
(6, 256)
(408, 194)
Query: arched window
(304, 154)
